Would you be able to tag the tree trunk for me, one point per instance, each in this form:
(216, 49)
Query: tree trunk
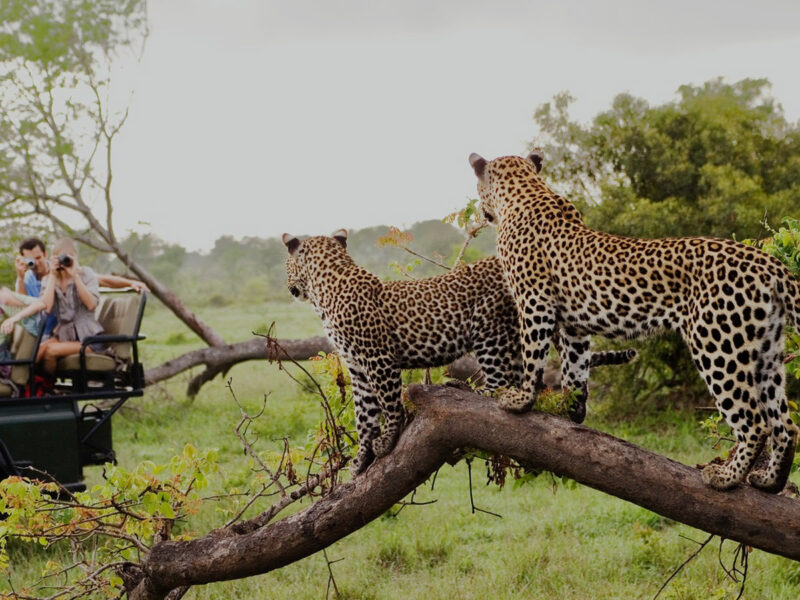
(447, 419)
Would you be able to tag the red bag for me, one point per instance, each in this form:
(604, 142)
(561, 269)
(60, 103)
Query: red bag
(44, 386)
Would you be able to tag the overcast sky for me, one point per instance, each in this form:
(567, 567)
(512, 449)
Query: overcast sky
(260, 117)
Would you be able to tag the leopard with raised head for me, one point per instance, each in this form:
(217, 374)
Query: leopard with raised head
(381, 327)
(730, 302)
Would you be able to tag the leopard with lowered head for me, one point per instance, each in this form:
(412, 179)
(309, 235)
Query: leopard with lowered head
(729, 301)
(382, 327)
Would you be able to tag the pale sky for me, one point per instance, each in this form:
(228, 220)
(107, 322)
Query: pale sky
(256, 117)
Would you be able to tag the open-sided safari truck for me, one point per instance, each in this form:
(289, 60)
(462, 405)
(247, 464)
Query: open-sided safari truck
(59, 430)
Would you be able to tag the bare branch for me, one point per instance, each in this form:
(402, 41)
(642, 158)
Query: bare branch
(423, 257)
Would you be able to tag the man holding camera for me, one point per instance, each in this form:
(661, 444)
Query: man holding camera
(32, 265)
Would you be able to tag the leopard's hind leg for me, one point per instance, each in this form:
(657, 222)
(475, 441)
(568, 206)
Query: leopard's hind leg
(388, 386)
(731, 379)
(368, 419)
(775, 411)
(498, 352)
(576, 357)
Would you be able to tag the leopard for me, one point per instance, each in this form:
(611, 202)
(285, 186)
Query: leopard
(382, 327)
(730, 303)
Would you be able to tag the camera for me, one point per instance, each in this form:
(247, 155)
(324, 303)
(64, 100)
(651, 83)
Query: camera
(30, 263)
(65, 260)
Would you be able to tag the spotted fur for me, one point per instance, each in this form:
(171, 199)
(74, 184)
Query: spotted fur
(380, 328)
(729, 301)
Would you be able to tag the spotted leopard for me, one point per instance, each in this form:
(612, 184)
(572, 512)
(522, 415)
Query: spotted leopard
(381, 327)
(729, 301)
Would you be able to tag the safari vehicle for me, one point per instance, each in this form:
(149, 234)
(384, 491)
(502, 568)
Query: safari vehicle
(54, 431)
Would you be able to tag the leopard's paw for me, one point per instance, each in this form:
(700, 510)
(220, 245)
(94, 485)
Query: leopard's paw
(719, 477)
(513, 400)
(764, 480)
(361, 461)
(383, 444)
(577, 411)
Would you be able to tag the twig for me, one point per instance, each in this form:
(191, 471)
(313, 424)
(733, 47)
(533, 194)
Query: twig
(411, 502)
(740, 556)
(468, 237)
(331, 578)
(471, 499)
(684, 563)
(423, 257)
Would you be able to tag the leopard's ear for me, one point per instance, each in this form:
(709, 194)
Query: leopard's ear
(340, 235)
(479, 165)
(291, 242)
(536, 157)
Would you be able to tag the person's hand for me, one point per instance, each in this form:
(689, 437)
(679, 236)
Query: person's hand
(55, 267)
(21, 266)
(140, 286)
(74, 267)
(7, 326)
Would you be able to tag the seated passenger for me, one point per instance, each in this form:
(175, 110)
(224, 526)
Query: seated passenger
(16, 308)
(71, 292)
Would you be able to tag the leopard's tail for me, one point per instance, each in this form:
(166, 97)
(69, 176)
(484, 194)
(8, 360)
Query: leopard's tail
(791, 300)
(612, 357)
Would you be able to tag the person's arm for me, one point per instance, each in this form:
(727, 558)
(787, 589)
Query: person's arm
(9, 298)
(21, 268)
(88, 291)
(34, 307)
(49, 294)
(117, 282)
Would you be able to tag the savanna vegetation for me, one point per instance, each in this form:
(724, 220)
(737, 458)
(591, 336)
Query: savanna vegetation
(721, 159)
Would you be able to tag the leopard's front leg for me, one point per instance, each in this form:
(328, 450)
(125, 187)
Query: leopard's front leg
(537, 322)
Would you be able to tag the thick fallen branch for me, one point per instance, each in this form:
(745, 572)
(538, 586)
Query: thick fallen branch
(447, 419)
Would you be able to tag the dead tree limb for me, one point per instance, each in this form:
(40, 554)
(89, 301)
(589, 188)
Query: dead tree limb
(447, 419)
(218, 359)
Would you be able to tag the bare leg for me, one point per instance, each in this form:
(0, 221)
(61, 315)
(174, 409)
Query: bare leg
(51, 350)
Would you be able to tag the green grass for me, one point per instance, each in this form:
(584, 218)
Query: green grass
(562, 541)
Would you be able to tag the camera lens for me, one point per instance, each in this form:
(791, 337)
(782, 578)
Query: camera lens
(65, 260)
(30, 263)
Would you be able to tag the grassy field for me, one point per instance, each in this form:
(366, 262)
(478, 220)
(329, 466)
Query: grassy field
(554, 540)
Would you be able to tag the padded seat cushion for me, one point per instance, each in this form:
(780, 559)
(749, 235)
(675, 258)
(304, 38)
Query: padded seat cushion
(94, 362)
(22, 349)
(118, 315)
(5, 390)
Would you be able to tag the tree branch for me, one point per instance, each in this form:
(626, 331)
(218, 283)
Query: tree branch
(218, 359)
(447, 419)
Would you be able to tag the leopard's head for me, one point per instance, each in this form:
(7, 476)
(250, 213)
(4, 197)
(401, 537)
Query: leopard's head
(490, 172)
(296, 272)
